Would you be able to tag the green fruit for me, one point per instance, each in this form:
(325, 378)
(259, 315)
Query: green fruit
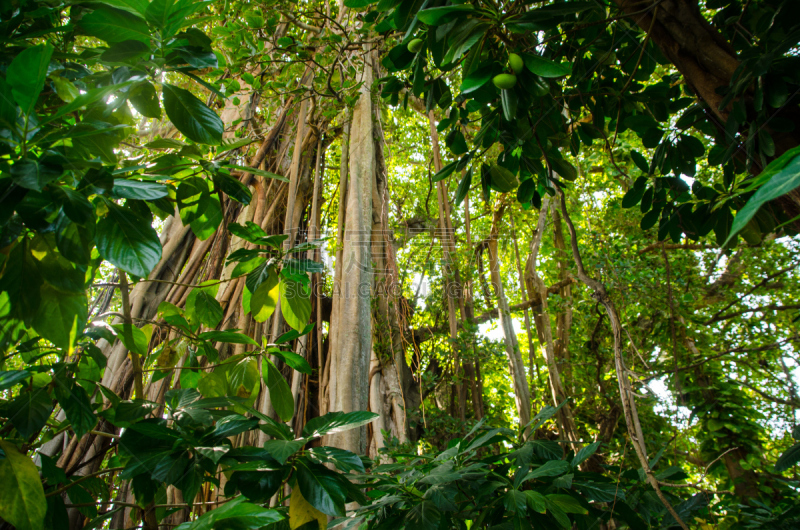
(415, 45)
(515, 62)
(504, 81)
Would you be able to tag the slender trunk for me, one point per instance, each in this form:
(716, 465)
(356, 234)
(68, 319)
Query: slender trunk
(522, 395)
(452, 287)
(538, 291)
(534, 364)
(564, 315)
(623, 374)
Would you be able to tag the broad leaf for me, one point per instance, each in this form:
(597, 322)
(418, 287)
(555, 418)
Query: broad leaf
(788, 459)
(553, 468)
(61, 316)
(301, 512)
(337, 422)
(585, 453)
(138, 189)
(279, 392)
(237, 514)
(230, 337)
(191, 116)
(782, 182)
(128, 241)
(439, 15)
(423, 516)
(545, 67)
(265, 299)
(292, 359)
(115, 25)
(320, 488)
(29, 411)
(22, 501)
(281, 450)
(27, 73)
(295, 303)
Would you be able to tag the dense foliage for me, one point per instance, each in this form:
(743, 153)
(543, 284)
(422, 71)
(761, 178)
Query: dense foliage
(606, 233)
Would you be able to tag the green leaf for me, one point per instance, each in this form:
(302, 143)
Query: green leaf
(463, 187)
(136, 7)
(33, 174)
(334, 422)
(61, 316)
(234, 514)
(230, 337)
(345, 461)
(502, 179)
(640, 161)
(124, 51)
(788, 459)
(91, 96)
(75, 402)
(279, 392)
(600, 491)
(476, 80)
(202, 306)
(566, 503)
(12, 377)
(356, 4)
(137, 189)
(781, 182)
(144, 99)
(115, 25)
(212, 385)
(191, 116)
(585, 453)
(8, 110)
(445, 171)
(536, 501)
(128, 241)
(320, 488)
(135, 340)
(295, 303)
(22, 501)
(76, 206)
(552, 468)
(545, 67)
(439, 15)
(27, 73)
(233, 188)
(158, 12)
(265, 299)
(28, 412)
(281, 450)
(199, 208)
(566, 170)
(423, 516)
(213, 453)
(292, 359)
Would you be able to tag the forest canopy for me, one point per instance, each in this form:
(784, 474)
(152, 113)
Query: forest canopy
(387, 264)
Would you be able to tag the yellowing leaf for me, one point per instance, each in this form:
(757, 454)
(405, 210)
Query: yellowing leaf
(301, 512)
(22, 501)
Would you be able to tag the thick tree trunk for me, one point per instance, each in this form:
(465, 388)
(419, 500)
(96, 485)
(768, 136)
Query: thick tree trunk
(351, 322)
(708, 63)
